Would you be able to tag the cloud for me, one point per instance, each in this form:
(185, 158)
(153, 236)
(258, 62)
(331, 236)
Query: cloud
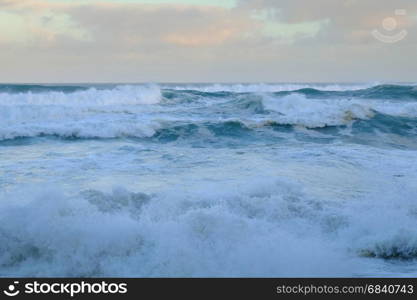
(254, 40)
(129, 23)
(156, 24)
(36, 22)
(348, 21)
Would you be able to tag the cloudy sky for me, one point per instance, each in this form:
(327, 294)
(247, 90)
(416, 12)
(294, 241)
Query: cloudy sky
(208, 40)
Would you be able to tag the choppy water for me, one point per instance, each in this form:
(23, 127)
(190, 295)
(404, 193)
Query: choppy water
(208, 180)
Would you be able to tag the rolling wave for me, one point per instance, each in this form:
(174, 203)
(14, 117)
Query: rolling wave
(267, 88)
(220, 229)
(119, 95)
(33, 88)
(376, 92)
(220, 180)
(238, 129)
(146, 111)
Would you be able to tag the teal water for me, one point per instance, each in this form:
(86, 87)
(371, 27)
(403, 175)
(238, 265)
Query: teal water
(208, 180)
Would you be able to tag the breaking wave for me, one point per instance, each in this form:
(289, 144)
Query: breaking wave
(120, 95)
(268, 88)
(262, 228)
(211, 180)
(145, 111)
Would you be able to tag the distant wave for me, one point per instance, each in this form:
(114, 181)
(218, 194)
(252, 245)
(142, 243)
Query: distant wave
(119, 95)
(33, 88)
(333, 91)
(173, 131)
(267, 88)
(376, 92)
(146, 111)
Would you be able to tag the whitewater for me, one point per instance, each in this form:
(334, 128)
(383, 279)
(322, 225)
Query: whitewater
(208, 180)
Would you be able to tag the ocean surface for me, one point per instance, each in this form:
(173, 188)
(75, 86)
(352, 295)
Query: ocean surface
(176, 180)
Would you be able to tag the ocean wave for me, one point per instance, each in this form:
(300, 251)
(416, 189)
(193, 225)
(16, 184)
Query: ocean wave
(294, 183)
(208, 232)
(370, 90)
(401, 245)
(33, 88)
(388, 92)
(267, 88)
(85, 114)
(255, 227)
(405, 92)
(211, 130)
(126, 112)
(298, 110)
(208, 134)
(376, 238)
(119, 95)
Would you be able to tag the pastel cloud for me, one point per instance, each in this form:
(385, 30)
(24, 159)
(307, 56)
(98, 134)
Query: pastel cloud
(188, 40)
(347, 19)
(37, 22)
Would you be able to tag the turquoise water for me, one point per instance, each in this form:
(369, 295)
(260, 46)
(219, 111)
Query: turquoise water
(208, 180)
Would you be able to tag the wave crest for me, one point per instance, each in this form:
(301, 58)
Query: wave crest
(298, 110)
(120, 95)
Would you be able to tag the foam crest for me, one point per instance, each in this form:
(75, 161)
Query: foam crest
(120, 95)
(269, 88)
(252, 227)
(118, 112)
(296, 109)
(174, 233)
(72, 123)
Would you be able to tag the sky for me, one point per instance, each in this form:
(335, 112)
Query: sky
(68, 41)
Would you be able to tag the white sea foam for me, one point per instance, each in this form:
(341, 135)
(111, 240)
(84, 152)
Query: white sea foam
(125, 111)
(122, 111)
(225, 202)
(268, 227)
(397, 109)
(120, 95)
(202, 233)
(269, 88)
(296, 109)
(82, 122)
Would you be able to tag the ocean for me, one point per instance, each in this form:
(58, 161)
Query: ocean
(208, 180)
